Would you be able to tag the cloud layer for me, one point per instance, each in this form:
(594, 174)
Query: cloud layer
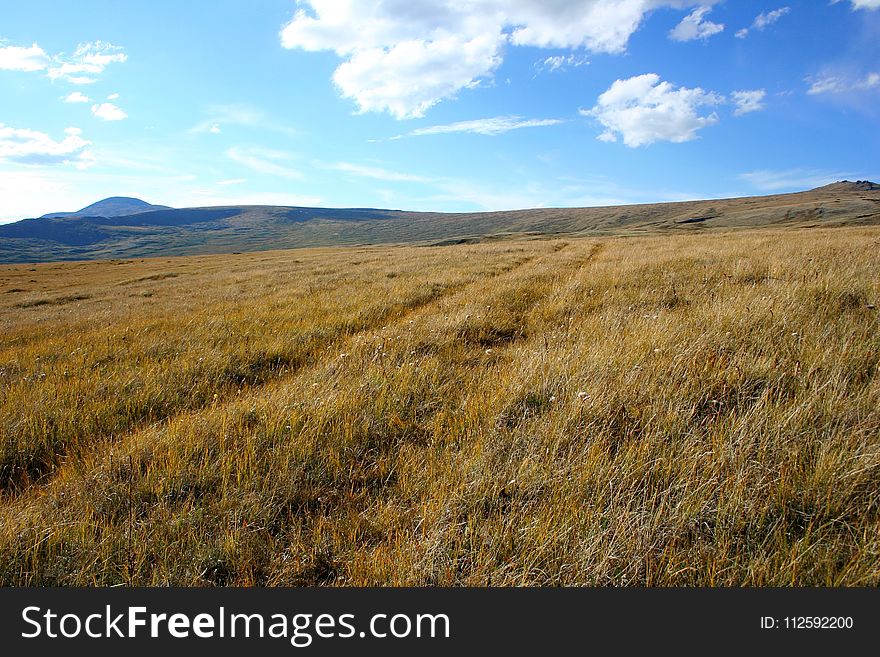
(403, 57)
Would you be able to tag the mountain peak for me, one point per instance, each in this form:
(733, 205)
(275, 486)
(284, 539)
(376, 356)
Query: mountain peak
(113, 206)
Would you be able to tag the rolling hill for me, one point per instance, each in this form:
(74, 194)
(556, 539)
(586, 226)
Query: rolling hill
(115, 206)
(124, 228)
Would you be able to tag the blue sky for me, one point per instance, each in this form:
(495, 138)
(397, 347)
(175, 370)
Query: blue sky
(433, 105)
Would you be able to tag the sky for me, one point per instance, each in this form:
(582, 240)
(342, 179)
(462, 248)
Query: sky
(446, 105)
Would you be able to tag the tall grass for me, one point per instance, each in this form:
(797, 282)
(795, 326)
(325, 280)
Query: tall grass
(688, 410)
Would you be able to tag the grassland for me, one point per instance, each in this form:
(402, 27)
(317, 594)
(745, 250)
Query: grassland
(695, 409)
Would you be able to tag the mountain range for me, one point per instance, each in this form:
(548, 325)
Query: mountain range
(122, 227)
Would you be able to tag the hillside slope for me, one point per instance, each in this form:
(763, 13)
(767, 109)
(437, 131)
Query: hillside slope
(191, 231)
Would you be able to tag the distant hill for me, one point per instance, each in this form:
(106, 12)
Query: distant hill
(102, 231)
(115, 206)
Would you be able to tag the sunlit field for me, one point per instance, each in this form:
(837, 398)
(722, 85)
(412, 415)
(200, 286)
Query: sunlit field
(661, 411)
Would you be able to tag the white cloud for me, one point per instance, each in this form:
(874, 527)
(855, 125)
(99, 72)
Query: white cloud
(412, 76)
(861, 4)
(108, 112)
(495, 125)
(88, 60)
(403, 57)
(77, 97)
(232, 181)
(113, 97)
(839, 84)
(748, 101)
(264, 161)
(18, 58)
(238, 114)
(767, 180)
(693, 26)
(378, 173)
(763, 20)
(561, 62)
(643, 110)
(25, 146)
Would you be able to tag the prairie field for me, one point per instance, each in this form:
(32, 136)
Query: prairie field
(662, 410)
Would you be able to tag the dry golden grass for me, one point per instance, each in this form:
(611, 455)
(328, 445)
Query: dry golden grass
(688, 410)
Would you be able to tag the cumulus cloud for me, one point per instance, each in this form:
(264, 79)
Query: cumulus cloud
(77, 97)
(412, 76)
(833, 84)
(88, 61)
(25, 146)
(693, 26)
(643, 110)
(763, 20)
(403, 57)
(748, 101)
(108, 112)
(495, 125)
(18, 58)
